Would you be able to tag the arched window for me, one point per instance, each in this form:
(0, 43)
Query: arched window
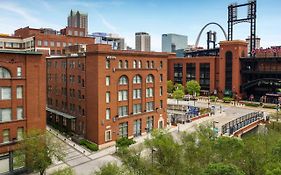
(139, 64)
(126, 64)
(137, 79)
(107, 64)
(120, 64)
(4, 73)
(152, 65)
(123, 80)
(149, 78)
(135, 64)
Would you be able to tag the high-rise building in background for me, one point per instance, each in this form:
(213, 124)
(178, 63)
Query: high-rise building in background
(78, 20)
(172, 42)
(142, 41)
(117, 42)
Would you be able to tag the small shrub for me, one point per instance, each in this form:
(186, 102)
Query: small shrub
(124, 142)
(227, 99)
(269, 106)
(252, 104)
(213, 98)
(91, 146)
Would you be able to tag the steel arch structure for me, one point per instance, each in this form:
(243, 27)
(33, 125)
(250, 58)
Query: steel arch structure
(211, 23)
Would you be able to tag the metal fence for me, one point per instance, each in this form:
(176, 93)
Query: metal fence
(236, 124)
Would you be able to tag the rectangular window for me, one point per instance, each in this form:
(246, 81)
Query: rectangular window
(5, 93)
(161, 91)
(45, 43)
(136, 93)
(149, 124)
(39, 43)
(137, 127)
(123, 129)
(75, 33)
(107, 64)
(149, 106)
(149, 92)
(64, 121)
(58, 44)
(64, 44)
(107, 80)
(137, 108)
(107, 115)
(19, 92)
(161, 103)
(5, 114)
(19, 71)
(20, 133)
(161, 77)
(52, 43)
(123, 111)
(108, 136)
(122, 95)
(19, 113)
(107, 97)
(6, 135)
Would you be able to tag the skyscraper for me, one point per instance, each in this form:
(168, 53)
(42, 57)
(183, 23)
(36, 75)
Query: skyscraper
(78, 19)
(173, 42)
(142, 41)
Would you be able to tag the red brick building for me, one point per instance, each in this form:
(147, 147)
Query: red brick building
(22, 97)
(219, 74)
(105, 94)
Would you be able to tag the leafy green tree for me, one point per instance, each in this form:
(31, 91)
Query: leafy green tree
(222, 169)
(39, 149)
(179, 86)
(66, 171)
(178, 94)
(110, 169)
(170, 86)
(193, 87)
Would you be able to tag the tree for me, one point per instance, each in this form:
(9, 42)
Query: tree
(193, 87)
(66, 171)
(39, 149)
(170, 86)
(179, 86)
(222, 169)
(178, 94)
(110, 169)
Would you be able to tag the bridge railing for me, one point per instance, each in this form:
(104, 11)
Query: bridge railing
(238, 123)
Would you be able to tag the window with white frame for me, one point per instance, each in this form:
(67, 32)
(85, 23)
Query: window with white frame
(122, 95)
(20, 133)
(149, 79)
(58, 44)
(149, 106)
(137, 79)
(123, 80)
(107, 114)
(120, 64)
(4, 73)
(123, 129)
(134, 64)
(107, 97)
(45, 43)
(107, 80)
(5, 93)
(149, 124)
(136, 93)
(126, 64)
(19, 113)
(136, 108)
(19, 92)
(6, 135)
(152, 64)
(149, 92)
(52, 43)
(107, 64)
(19, 73)
(108, 136)
(123, 111)
(5, 114)
(139, 64)
(147, 64)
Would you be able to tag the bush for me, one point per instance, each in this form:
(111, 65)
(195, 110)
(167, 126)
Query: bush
(124, 142)
(252, 104)
(204, 111)
(91, 146)
(269, 106)
(213, 98)
(227, 99)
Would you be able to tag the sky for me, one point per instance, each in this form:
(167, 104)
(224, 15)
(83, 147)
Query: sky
(125, 17)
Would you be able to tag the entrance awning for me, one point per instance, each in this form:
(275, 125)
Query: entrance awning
(60, 113)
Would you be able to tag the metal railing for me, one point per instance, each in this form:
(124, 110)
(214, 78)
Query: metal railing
(236, 124)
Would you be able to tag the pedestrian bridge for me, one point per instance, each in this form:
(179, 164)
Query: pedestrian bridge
(243, 124)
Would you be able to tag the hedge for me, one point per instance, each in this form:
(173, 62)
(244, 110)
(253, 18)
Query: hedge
(252, 104)
(213, 98)
(269, 106)
(124, 142)
(91, 146)
(227, 99)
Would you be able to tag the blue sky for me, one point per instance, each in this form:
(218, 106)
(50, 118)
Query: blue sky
(156, 17)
